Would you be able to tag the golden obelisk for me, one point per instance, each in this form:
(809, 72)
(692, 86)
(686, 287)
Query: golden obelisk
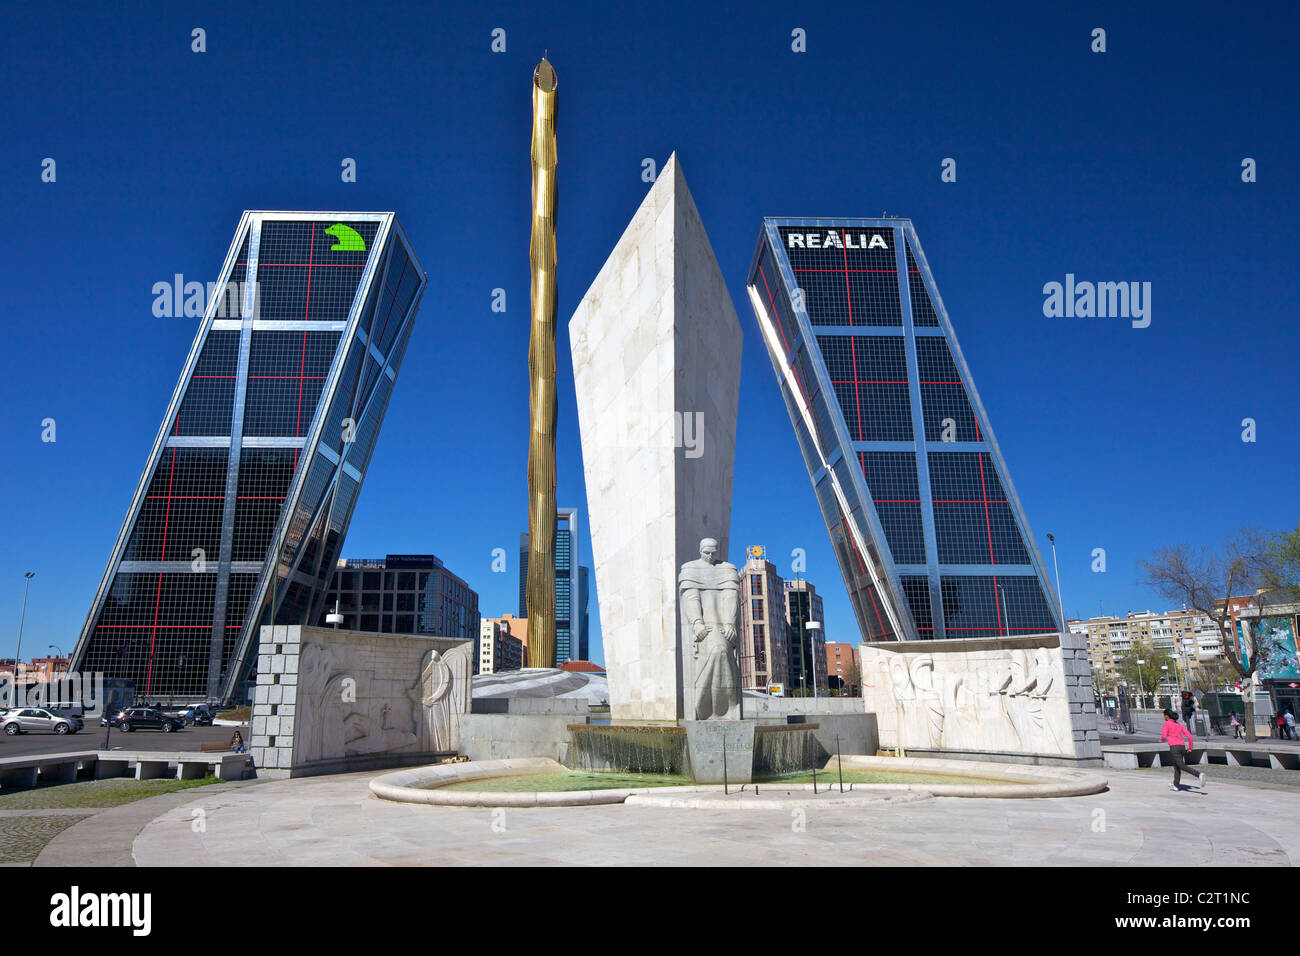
(541, 375)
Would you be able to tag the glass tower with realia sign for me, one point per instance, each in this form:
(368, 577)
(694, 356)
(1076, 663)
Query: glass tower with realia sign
(925, 523)
(248, 489)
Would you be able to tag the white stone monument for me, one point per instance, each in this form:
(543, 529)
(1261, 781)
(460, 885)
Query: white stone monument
(1023, 697)
(331, 700)
(656, 365)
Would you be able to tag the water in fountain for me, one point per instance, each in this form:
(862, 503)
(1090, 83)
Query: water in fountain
(786, 749)
(627, 748)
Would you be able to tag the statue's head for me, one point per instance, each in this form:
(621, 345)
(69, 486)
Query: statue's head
(709, 550)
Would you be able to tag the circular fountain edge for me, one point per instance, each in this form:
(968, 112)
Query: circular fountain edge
(423, 785)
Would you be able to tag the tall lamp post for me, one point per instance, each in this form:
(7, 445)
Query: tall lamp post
(18, 651)
(1142, 694)
(812, 649)
(1057, 568)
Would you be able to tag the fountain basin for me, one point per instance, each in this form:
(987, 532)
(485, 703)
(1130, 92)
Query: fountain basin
(630, 748)
(429, 785)
(913, 779)
(705, 751)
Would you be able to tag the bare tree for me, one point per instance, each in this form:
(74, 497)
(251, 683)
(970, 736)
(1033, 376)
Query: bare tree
(1205, 581)
(1210, 677)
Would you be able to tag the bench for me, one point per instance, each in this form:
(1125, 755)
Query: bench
(49, 768)
(152, 766)
(213, 747)
(1235, 754)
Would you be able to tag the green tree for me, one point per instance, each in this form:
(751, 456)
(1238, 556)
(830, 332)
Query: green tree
(1148, 674)
(1286, 551)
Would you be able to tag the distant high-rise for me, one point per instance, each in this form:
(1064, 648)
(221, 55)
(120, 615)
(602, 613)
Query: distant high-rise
(927, 529)
(249, 487)
(764, 632)
(571, 641)
(807, 640)
(582, 616)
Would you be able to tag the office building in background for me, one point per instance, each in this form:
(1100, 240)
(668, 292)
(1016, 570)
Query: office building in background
(925, 524)
(402, 594)
(571, 617)
(764, 643)
(250, 484)
(807, 638)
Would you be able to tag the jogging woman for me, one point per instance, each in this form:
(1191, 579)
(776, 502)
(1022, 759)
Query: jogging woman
(1180, 742)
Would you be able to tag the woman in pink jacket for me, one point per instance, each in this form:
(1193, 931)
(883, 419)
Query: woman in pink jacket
(1180, 742)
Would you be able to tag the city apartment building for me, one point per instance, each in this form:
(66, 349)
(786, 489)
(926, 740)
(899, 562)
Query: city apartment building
(1190, 638)
(498, 650)
(511, 627)
(842, 662)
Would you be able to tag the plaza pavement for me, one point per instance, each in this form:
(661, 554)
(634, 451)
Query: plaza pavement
(335, 821)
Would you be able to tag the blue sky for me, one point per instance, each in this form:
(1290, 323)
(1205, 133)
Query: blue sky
(1123, 165)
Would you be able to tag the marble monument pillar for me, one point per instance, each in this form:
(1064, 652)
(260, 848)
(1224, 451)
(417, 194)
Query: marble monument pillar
(656, 364)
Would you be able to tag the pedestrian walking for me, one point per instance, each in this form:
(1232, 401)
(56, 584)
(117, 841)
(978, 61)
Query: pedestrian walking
(1180, 743)
(1236, 727)
(1280, 723)
(1189, 709)
(1290, 725)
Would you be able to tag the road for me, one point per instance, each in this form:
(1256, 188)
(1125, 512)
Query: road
(92, 738)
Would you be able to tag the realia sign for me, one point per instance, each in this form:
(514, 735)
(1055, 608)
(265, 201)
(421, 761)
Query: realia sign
(835, 239)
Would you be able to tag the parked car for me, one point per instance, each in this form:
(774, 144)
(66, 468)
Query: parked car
(143, 718)
(37, 720)
(199, 714)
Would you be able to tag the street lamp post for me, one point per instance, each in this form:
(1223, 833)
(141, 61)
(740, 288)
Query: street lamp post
(18, 651)
(812, 650)
(1057, 568)
(1142, 693)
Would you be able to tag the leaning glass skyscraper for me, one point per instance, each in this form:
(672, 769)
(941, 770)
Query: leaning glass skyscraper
(248, 489)
(925, 523)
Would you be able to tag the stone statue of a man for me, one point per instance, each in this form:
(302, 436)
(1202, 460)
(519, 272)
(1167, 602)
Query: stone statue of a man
(710, 600)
